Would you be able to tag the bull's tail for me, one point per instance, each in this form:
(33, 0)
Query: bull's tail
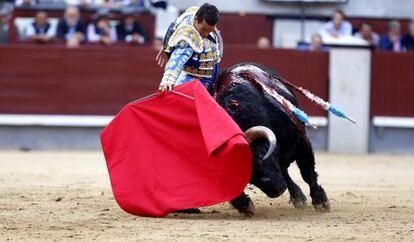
(318, 101)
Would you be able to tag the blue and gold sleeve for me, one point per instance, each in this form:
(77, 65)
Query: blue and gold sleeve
(180, 55)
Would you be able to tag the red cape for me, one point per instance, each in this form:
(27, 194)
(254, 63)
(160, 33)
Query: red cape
(170, 152)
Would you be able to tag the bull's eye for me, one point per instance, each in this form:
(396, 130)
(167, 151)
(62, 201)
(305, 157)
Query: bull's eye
(234, 105)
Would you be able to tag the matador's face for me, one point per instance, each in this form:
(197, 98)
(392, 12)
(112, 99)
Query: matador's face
(203, 27)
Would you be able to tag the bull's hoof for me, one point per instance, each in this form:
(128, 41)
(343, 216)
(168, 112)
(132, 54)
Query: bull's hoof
(322, 207)
(298, 203)
(244, 205)
(249, 211)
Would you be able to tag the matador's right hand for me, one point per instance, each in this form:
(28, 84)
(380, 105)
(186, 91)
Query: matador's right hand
(166, 85)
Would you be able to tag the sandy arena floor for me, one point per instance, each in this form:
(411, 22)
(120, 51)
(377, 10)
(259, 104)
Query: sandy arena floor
(66, 196)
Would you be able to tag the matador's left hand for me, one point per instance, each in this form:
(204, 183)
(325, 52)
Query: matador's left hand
(162, 58)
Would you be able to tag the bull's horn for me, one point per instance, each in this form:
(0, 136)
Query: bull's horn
(262, 131)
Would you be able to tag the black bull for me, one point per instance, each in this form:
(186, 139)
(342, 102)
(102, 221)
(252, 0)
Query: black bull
(238, 92)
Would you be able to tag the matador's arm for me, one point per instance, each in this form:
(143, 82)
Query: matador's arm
(183, 42)
(179, 56)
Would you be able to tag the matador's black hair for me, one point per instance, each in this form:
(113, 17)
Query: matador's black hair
(209, 13)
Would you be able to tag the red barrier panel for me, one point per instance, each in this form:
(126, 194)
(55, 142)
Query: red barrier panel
(246, 29)
(392, 84)
(89, 80)
(101, 80)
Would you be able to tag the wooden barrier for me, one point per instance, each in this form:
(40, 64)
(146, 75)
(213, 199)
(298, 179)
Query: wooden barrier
(392, 84)
(89, 80)
(245, 29)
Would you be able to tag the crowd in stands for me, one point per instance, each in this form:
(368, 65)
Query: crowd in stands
(113, 4)
(393, 40)
(73, 31)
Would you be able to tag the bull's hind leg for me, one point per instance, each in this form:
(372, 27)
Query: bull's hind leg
(306, 164)
(244, 205)
(297, 198)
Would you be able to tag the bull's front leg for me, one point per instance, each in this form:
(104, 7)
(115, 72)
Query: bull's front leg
(297, 198)
(306, 164)
(244, 205)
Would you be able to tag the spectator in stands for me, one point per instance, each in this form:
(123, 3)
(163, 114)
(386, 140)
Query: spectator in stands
(263, 43)
(5, 16)
(70, 28)
(129, 30)
(118, 4)
(338, 26)
(165, 13)
(84, 3)
(407, 42)
(26, 2)
(4, 26)
(136, 4)
(391, 40)
(101, 30)
(316, 44)
(365, 32)
(112, 4)
(40, 30)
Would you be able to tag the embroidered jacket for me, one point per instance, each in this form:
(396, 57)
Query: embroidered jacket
(191, 55)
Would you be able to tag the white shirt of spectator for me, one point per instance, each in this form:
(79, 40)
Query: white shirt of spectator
(96, 2)
(87, 2)
(71, 32)
(94, 37)
(128, 38)
(20, 2)
(329, 29)
(30, 31)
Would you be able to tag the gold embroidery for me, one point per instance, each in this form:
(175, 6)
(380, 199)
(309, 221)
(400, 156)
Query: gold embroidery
(188, 34)
(191, 11)
(198, 73)
(207, 45)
